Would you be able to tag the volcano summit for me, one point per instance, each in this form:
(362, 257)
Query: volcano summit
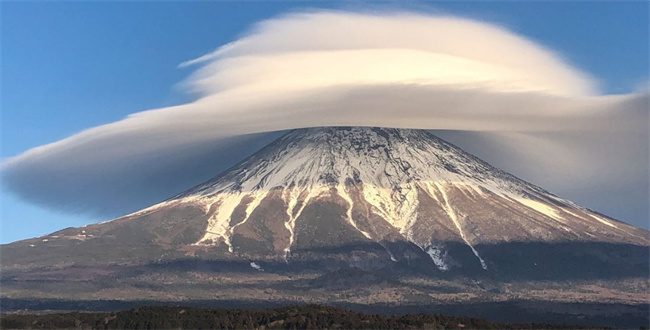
(382, 186)
(367, 206)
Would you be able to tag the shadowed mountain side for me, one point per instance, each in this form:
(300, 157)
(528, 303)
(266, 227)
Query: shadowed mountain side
(507, 261)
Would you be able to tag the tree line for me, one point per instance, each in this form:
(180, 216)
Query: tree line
(291, 317)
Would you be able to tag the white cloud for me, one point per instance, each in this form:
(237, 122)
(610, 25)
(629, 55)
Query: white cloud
(346, 69)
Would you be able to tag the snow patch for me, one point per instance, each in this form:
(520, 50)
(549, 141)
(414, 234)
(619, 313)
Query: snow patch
(452, 215)
(257, 197)
(603, 221)
(344, 194)
(564, 209)
(398, 206)
(143, 211)
(437, 253)
(256, 266)
(541, 208)
(218, 223)
(294, 194)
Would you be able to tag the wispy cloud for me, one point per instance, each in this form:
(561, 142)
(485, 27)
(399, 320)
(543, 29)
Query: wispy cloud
(340, 68)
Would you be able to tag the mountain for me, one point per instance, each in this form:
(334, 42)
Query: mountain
(381, 186)
(346, 207)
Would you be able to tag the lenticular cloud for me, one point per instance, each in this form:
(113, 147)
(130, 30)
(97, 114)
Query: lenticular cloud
(319, 49)
(476, 83)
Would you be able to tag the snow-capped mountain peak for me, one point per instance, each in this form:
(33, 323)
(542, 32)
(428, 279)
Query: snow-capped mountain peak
(391, 185)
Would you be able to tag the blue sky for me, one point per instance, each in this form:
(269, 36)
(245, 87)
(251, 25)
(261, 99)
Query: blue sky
(68, 66)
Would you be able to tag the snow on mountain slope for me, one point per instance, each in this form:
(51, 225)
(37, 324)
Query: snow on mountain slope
(391, 185)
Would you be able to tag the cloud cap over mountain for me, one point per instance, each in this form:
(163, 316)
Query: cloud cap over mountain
(544, 117)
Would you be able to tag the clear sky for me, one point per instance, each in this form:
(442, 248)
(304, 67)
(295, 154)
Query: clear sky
(67, 66)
